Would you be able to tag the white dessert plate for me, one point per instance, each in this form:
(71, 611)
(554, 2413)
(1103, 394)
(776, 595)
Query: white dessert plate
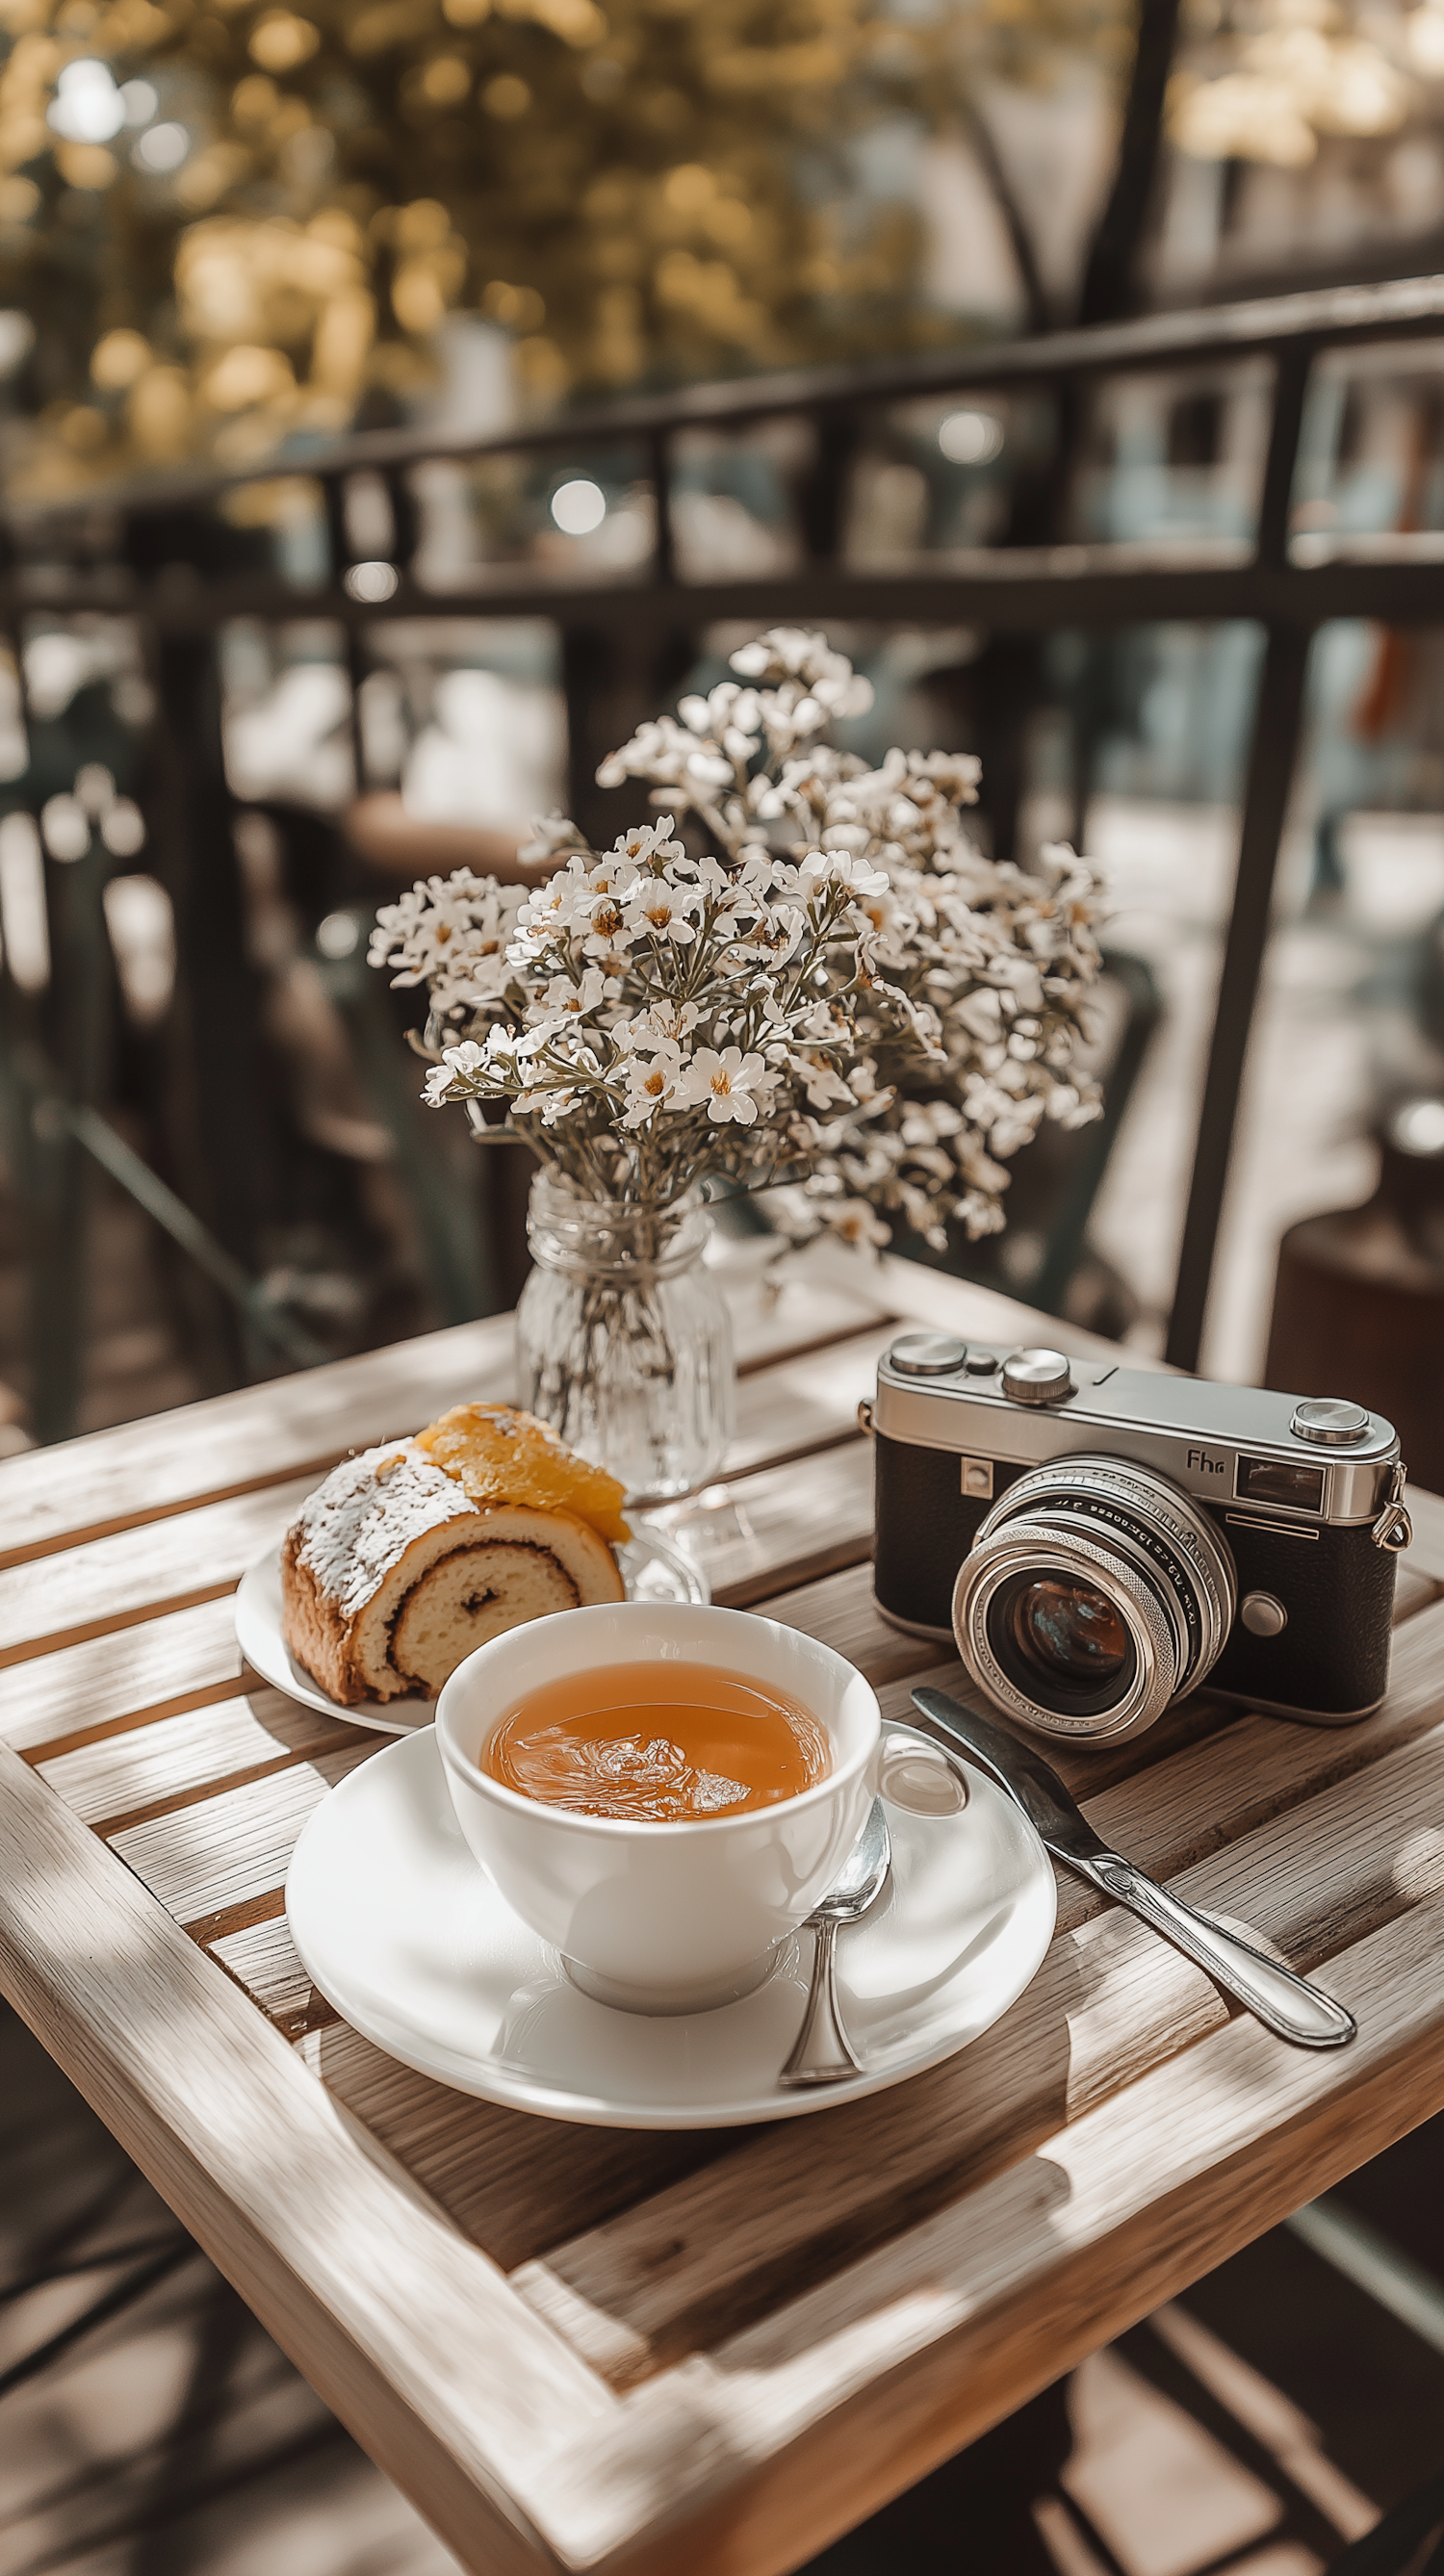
(653, 1569)
(406, 1935)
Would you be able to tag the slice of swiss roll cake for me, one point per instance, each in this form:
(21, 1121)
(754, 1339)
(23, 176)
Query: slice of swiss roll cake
(414, 1553)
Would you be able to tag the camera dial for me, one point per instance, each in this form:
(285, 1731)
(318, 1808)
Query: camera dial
(1329, 1421)
(1036, 1376)
(928, 1355)
(1095, 1593)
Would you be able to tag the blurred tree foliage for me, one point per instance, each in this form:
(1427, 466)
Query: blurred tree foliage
(233, 222)
(1266, 80)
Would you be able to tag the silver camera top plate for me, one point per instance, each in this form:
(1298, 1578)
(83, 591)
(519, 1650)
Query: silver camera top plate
(1224, 1444)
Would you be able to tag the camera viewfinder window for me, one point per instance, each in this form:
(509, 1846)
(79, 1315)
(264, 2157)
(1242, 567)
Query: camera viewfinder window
(1278, 1480)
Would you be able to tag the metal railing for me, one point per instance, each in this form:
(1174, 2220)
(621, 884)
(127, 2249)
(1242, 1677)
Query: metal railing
(115, 554)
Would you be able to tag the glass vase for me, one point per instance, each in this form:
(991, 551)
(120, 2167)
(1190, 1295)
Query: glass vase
(623, 1339)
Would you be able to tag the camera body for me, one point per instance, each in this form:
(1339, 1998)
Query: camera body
(1100, 1539)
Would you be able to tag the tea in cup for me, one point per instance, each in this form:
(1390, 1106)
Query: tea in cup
(660, 1791)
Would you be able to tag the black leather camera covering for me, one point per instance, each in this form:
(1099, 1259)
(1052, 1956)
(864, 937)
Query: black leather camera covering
(924, 1529)
(1338, 1589)
(1332, 1660)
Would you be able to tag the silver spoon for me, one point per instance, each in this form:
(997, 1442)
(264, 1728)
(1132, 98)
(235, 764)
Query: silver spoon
(823, 2054)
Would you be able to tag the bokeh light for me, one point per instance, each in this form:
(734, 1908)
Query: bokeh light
(579, 507)
(971, 437)
(163, 149)
(372, 581)
(87, 106)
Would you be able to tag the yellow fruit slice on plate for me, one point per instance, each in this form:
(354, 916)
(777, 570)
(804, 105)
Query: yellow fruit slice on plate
(499, 1454)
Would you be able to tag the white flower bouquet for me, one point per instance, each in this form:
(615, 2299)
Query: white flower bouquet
(803, 972)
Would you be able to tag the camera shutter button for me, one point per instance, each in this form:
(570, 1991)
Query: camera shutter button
(1036, 1376)
(1330, 1421)
(927, 1355)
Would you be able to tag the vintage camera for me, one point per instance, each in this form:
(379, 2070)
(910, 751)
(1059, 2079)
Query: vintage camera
(1100, 1539)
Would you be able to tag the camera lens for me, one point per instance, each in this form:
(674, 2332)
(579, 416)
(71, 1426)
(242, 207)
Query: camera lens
(1068, 1631)
(1095, 1593)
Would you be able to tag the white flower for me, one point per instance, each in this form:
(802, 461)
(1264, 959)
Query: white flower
(553, 836)
(857, 1223)
(452, 934)
(657, 750)
(775, 936)
(981, 1013)
(541, 1035)
(814, 686)
(656, 909)
(554, 1105)
(821, 1081)
(470, 1067)
(733, 1085)
(1019, 977)
(662, 1021)
(815, 781)
(834, 867)
(792, 653)
(606, 936)
(562, 997)
(552, 907)
(954, 773)
(868, 996)
(924, 1122)
(1075, 1107)
(666, 752)
(655, 1081)
(648, 841)
(728, 717)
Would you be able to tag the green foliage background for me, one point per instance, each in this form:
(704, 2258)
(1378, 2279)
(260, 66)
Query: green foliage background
(661, 191)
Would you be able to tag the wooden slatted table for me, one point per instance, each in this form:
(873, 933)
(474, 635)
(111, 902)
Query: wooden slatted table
(582, 2348)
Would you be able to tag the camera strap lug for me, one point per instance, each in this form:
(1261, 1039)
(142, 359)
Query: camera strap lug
(1393, 1529)
(864, 1417)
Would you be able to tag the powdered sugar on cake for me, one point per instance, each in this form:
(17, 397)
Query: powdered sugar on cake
(367, 1513)
(394, 1571)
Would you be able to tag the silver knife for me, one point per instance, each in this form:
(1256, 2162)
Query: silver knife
(1286, 2003)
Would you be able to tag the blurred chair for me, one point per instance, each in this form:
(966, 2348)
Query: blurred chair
(1359, 1296)
(392, 844)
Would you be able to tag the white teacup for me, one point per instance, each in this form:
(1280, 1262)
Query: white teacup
(661, 1918)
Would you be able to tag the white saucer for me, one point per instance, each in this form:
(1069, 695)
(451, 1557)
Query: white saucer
(653, 1568)
(406, 1935)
